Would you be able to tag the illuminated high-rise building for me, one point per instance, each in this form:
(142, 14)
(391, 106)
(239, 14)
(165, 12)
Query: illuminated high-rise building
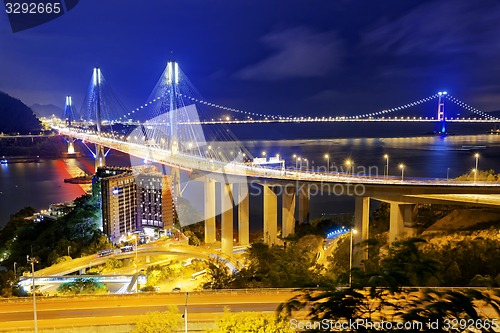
(134, 199)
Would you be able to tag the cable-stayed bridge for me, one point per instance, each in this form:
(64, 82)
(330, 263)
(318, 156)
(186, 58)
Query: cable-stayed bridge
(176, 127)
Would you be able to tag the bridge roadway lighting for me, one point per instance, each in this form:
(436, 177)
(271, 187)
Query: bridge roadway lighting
(353, 231)
(476, 155)
(32, 261)
(475, 174)
(386, 171)
(295, 157)
(264, 153)
(327, 156)
(300, 160)
(402, 167)
(307, 163)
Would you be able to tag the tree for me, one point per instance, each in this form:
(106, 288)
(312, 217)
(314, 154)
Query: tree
(158, 322)
(252, 322)
(381, 296)
(82, 286)
(219, 276)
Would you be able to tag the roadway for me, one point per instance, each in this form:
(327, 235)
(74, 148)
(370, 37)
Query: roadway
(161, 248)
(238, 171)
(106, 310)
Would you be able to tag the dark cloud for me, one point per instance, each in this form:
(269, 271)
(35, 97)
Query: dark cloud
(299, 53)
(433, 28)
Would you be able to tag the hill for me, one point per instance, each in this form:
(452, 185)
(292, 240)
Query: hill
(47, 110)
(16, 117)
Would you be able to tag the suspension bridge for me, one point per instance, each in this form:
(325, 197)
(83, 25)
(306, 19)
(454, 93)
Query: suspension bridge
(178, 128)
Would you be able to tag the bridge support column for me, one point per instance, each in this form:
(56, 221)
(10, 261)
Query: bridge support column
(401, 221)
(209, 211)
(410, 224)
(270, 216)
(227, 219)
(304, 197)
(100, 157)
(71, 146)
(287, 212)
(361, 225)
(243, 215)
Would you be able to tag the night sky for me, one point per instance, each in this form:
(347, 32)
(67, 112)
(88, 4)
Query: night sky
(298, 57)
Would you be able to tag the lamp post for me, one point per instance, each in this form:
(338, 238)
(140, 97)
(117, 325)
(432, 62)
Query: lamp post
(386, 171)
(447, 174)
(186, 314)
(307, 163)
(349, 164)
(353, 231)
(476, 155)
(327, 156)
(402, 167)
(69, 247)
(32, 261)
(300, 160)
(296, 162)
(15, 271)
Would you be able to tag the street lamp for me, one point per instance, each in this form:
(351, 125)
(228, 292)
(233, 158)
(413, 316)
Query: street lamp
(186, 314)
(32, 261)
(307, 163)
(15, 272)
(348, 163)
(475, 174)
(264, 153)
(295, 157)
(353, 231)
(476, 155)
(69, 247)
(402, 167)
(447, 174)
(386, 171)
(300, 160)
(327, 156)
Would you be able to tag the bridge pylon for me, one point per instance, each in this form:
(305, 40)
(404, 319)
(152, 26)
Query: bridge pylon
(69, 116)
(100, 156)
(172, 79)
(441, 116)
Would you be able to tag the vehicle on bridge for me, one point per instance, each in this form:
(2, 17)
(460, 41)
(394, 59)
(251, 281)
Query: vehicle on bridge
(127, 248)
(105, 253)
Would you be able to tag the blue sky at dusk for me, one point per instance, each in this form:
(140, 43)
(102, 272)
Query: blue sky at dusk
(299, 57)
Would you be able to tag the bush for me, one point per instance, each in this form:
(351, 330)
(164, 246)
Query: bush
(158, 322)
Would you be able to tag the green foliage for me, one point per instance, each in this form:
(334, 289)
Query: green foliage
(482, 176)
(219, 276)
(252, 322)
(49, 240)
(380, 295)
(158, 322)
(195, 233)
(82, 286)
(462, 259)
(272, 266)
